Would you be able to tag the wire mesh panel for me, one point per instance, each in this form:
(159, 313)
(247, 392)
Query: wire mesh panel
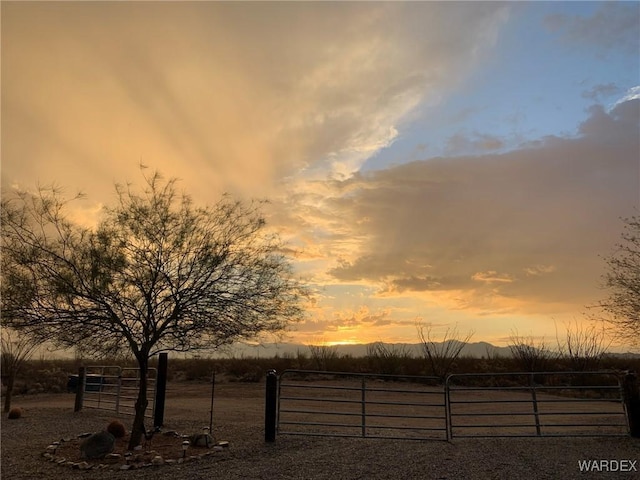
(360, 405)
(535, 404)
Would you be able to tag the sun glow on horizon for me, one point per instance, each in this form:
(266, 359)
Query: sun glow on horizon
(334, 343)
(414, 175)
(342, 342)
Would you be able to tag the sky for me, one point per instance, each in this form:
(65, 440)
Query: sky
(452, 164)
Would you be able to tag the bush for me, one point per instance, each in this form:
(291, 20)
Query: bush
(14, 413)
(116, 428)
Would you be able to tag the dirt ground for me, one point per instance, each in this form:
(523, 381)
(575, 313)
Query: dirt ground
(239, 419)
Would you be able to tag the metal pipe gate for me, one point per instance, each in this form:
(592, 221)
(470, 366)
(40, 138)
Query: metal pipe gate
(111, 387)
(543, 404)
(360, 405)
(512, 404)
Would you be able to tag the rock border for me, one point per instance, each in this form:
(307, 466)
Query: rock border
(157, 460)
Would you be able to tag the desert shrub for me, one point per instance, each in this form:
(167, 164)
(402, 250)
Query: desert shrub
(441, 356)
(388, 359)
(284, 362)
(14, 413)
(116, 428)
(190, 369)
(622, 363)
(531, 354)
(584, 346)
(323, 356)
(349, 363)
(244, 369)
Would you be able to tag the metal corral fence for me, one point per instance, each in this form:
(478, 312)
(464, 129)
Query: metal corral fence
(515, 404)
(110, 387)
(548, 404)
(360, 405)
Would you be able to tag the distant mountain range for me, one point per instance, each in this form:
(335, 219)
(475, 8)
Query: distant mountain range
(269, 350)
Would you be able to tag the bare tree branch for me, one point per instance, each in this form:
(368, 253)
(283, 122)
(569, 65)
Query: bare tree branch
(532, 355)
(156, 274)
(442, 354)
(622, 306)
(584, 345)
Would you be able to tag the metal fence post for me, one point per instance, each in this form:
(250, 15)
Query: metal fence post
(82, 375)
(364, 408)
(631, 389)
(534, 398)
(213, 389)
(161, 389)
(118, 389)
(270, 406)
(447, 409)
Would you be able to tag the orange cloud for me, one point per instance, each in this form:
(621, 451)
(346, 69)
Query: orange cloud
(521, 232)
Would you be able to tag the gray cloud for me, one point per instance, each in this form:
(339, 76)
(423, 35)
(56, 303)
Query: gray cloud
(598, 92)
(613, 26)
(526, 227)
(460, 144)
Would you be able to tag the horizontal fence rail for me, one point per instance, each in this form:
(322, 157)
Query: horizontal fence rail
(109, 387)
(546, 404)
(511, 404)
(360, 405)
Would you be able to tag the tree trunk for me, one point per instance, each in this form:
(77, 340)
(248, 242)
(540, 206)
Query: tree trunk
(8, 394)
(141, 405)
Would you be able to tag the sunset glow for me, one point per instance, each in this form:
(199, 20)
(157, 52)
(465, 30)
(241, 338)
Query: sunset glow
(445, 163)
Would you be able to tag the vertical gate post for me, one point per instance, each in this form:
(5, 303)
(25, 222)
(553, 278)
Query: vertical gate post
(161, 389)
(363, 412)
(447, 409)
(270, 407)
(534, 399)
(82, 377)
(213, 389)
(118, 389)
(631, 389)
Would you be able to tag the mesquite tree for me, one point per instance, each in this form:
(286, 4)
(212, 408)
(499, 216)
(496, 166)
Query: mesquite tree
(156, 274)
(623, 280)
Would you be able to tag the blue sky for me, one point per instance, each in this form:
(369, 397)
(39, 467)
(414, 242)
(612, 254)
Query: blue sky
(443, 163)
(533, 83)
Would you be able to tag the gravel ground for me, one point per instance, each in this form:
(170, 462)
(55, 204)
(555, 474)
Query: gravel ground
(239, 419)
